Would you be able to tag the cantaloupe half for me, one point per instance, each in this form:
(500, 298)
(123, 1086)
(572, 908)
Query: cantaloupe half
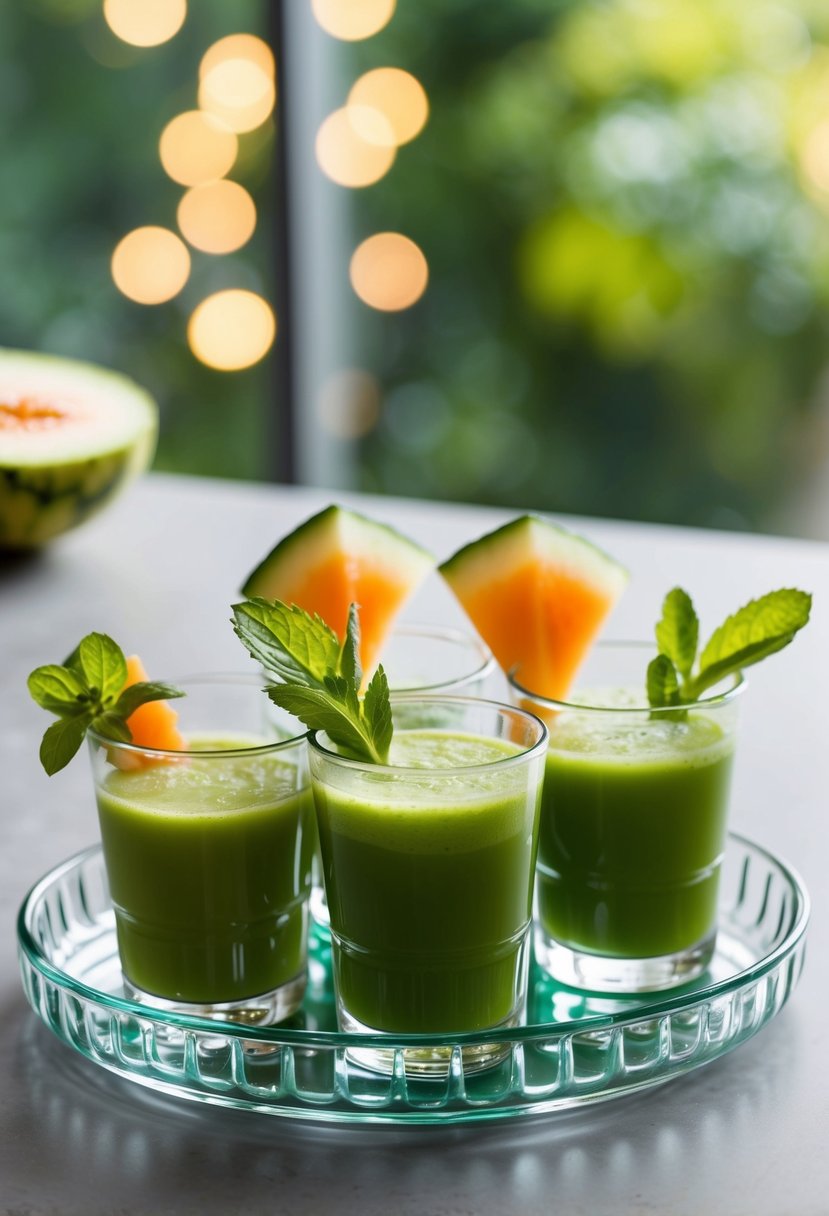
(538, 595)
(153, 724)
(72, 436)
(340, 557)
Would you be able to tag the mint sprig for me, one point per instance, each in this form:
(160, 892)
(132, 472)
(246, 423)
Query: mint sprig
(758, 629)
(87, 690)
(319, 678)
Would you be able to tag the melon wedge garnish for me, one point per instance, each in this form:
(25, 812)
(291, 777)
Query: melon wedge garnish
(153, 725)
(538, 595)
(338, 558)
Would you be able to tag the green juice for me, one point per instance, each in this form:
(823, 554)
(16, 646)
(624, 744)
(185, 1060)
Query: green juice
(428, 877)
(633, 826)
(208, 864)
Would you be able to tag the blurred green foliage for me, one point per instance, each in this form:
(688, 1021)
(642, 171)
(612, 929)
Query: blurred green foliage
(624, 205)
(80, 117)
(625, 209)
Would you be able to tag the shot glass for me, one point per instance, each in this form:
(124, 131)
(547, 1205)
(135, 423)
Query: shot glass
(431, 661)
(428, 865)
(208, 857)
(633, 827)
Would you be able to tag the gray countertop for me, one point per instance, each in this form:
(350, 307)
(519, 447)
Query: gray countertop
(745, 1135)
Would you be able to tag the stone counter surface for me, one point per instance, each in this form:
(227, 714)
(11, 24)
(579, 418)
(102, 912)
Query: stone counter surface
(744, 1136)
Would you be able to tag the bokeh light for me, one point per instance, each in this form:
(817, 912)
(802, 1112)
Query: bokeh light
(389, 272)
(150, 265)
(218, 217)
(238, 46)
(145, 22)
(196, 147)
(815, 158)
(346, 156)
(239, 92)
(231, 330)
(395, 94)
(352, 20)
(348, 404)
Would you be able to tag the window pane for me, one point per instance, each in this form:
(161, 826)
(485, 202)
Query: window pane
(105, 150)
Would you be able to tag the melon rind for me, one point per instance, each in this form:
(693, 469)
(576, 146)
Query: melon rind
(481, 574)
(367, 547)
(53, 480)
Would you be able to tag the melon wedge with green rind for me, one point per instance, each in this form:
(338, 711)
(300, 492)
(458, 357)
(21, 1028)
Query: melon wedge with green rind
(72, 436)
(340, 557)
(538, 595)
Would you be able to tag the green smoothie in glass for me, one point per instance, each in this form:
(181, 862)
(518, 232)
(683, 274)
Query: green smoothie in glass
(208, 856)
(632, 834)
(633, 827)
(428, 865)
(208, 862)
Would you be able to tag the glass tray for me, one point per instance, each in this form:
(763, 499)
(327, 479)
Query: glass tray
(576, 1048)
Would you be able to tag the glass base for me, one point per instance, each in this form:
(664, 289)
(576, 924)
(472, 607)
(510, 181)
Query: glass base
(431, 1061)
(263, 1009)
(597, 973)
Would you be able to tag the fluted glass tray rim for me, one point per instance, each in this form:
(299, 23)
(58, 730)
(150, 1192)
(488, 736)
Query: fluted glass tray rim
(790, 943)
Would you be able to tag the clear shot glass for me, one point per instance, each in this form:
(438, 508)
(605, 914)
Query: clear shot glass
(633, 827)
(429, 660)
(428, 864)
(208, 856)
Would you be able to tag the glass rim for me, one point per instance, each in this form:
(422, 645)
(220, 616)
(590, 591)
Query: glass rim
(503, 707)
(251, 679)
(447, 633)
(726, 696)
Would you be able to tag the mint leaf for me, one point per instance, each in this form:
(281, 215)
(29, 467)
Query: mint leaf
(320, 710)
(288, 642)
(59, 690)
(103, 665)
(142, 692)
(377, 707)
(677, 633)
(61, 741)
(662, 681)
(758, 629)
(73, 661)
(88, 690)
(350, 655)
(320, 680)
(112, 726)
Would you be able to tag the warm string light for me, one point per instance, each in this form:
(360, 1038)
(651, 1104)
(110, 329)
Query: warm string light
(196, 147)
(346, 157)
(145, 22)
(348, 403)
(217, 217)
(239, 92)
(389, 272)
(353, 20)
(150, 265)
(232, 329)
(396, 97)
(239, 46)
(355, 147)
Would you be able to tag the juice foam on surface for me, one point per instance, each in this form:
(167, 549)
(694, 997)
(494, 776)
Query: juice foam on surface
(430, 801)
(695, 739)
(191, 785)
(441, 750)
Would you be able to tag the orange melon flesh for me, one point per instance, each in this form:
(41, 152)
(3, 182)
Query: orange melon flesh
(538, 596)
(153, 724)
(337, 558)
